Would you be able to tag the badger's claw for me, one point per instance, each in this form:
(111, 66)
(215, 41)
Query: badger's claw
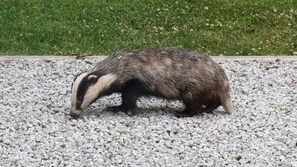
(131, 112)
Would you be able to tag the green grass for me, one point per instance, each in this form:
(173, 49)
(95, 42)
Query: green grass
(229, 27)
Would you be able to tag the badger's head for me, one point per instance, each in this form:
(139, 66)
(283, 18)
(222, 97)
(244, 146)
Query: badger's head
(86, 88)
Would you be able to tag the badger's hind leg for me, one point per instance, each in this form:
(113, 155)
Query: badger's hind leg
(210, 106)
(198, 105)
(191, 108)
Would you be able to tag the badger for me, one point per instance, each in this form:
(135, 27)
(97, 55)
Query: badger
(168, 73)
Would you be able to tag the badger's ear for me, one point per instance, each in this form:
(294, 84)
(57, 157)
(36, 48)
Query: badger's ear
(92, 78)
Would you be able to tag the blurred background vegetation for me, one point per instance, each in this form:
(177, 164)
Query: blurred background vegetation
(74, 27)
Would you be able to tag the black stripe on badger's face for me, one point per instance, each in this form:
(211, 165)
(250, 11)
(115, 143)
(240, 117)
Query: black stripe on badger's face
(86, 88)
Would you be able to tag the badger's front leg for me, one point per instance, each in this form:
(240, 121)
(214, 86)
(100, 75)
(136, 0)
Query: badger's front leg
(128, 105)
(130, 92)
(129, 99)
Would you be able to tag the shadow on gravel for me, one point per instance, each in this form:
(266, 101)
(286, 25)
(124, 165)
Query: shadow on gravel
(146, 112)
(141, 112)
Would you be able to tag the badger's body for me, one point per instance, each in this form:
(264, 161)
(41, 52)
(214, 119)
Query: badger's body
(170, 73)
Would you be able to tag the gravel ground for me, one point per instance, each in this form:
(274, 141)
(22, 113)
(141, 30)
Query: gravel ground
(36, 129)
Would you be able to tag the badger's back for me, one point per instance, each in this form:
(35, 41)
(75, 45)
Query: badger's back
(168, 72)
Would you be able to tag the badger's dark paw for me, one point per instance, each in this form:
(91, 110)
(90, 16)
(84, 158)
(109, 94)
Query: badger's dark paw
(185, 113)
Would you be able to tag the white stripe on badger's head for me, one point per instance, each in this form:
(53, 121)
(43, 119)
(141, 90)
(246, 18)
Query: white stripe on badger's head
(93, 91)
(86, 88)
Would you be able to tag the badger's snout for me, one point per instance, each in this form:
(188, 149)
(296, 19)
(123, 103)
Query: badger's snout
(75, 114)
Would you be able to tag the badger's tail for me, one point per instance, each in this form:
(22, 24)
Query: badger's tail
(227, 103)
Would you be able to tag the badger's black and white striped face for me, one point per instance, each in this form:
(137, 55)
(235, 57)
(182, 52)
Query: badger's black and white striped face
(86, 88)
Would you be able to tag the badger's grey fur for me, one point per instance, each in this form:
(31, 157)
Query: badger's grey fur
(170, 73)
